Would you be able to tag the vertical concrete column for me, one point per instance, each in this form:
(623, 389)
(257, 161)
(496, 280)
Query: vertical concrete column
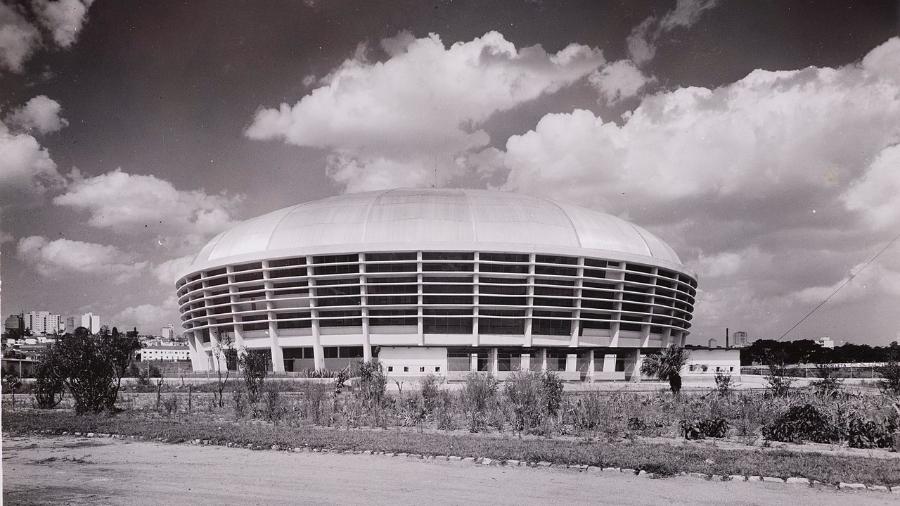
(366, 344)
(193, 348)
(645, 327)
(616, 325)
(473, 364)
(493, 368)
(277, 354)
(238, 335)
(609, 362)
(571, 362)
(543, 359)
(221, 363)
(667, 337)
(529, 299)
(318, 352)
(576, 312)
(590, 366)
(476, 338)
(420, 322)
(526, 362)
(638, 360)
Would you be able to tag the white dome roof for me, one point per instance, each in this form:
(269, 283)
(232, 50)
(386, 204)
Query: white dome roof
(434, 219)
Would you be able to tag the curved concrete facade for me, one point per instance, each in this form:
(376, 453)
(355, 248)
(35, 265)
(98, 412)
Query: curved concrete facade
(438, 281)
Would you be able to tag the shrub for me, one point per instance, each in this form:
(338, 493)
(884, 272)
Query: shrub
(801, 423)
(477, 395)
(254, 368)
(890, 377)
(11, 383)
(828, 384)
(170, 404)
(723, 384)
(48, 386)
(590, 412)
(372, 384)
(314, 395)
(552, 391)
(431, 388)
(699, 429)
(779, 383)
(272, 403)
(239, 402)
(524, 391)
(870, 434)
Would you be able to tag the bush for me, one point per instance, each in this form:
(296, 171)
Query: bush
(254, 368)
(870, 434)
(314, 394)
(801, 423)
(890, 377)
(48, 386)
(239, 402)
(477, 396)
(552, 391)
(699, 429)
(372, 384)
(779, 383)
(431, 388)
(828, 384)
(170, 404)
(723, 384)
(524, 391)
(272, 403)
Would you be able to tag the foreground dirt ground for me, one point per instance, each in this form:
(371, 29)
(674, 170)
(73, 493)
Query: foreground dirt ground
(39, 470)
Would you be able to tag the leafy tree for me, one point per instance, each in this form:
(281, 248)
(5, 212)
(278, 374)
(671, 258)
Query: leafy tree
(91, 367)
(666, 365)
(890, 377)
(11, 383)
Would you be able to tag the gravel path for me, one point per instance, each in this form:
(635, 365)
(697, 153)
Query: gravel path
(38, 470)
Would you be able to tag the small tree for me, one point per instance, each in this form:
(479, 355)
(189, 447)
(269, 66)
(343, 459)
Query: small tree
(828, 384)
(372, 384)
(666, 365)
(254, 368)
(723, 383)
(778, 380)
(221, 353)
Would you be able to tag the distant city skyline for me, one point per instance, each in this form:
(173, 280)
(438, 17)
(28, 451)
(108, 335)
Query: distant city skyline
(759, 139)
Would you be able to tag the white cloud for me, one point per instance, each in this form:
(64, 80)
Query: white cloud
(132, 204)
(421, 108)
(168, 271)
(63, 18)
(768, 186)
(619, 80)
(26, 169)
(148, 317)
(65, 256)
(40, 113)
(18, 39)
(643, 40)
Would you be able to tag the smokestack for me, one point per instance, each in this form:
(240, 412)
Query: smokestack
(726, 338)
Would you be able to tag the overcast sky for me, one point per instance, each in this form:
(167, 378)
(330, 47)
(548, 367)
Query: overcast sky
(760, 139)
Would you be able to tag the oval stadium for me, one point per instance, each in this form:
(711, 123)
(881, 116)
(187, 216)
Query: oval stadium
(437, 281)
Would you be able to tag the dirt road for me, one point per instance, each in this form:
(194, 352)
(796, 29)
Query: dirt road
(72, 470)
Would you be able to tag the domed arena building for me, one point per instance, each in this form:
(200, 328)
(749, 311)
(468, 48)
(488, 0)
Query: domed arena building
(438, 281)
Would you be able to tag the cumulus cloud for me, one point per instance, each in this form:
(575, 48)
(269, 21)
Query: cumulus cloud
(133, 204)
(63, 18)
(65, 257)
(21, 38)
(801, 164)
(40, 113)
(643, 40)
(619, 81)
(148, 317)
(397, 120)
(167, 272)
(26, 169)
(18, 39)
